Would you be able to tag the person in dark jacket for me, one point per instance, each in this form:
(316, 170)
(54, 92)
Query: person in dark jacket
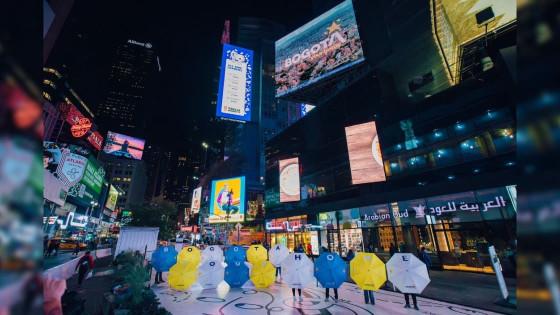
(76, 249)
(84, 265)
(392, 249)
(425, 258)
(350, 255)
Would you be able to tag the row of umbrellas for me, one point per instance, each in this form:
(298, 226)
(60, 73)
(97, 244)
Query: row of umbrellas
(208, 268)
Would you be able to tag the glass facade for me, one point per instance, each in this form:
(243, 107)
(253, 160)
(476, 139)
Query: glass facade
(455, 229)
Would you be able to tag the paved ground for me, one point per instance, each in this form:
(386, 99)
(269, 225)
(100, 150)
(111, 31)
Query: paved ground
(93, 289)
(278, 300)
(473, 289)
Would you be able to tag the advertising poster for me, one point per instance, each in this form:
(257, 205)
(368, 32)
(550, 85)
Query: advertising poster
(124, 146)
(89, 187)
(364, 153)
(236, 80)
(326, 45)
(227, 200)
(289, 180)
(81, 126)
(112, 198)
(195, 203)
(71, 167)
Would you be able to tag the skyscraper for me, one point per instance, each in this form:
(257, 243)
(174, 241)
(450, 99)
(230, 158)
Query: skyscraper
(127, 98)
(269, 116)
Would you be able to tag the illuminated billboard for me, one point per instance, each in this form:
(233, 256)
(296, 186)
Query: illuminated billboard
(195, 203)
(236, 81)
(289, 180)
(112, 198)
(364, 152)
(305, 109)
(124, 146)
(81, 126)
(326, 45)
(227, 200)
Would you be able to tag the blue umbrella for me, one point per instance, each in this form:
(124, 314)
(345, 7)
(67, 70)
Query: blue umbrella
(330, 270)
(163, 258)
(236, 253)
(236, 274)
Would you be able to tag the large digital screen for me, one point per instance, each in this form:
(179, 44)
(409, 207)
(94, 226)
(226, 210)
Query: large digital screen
(326, 45)
(364, 152)
(124, 146)
(195, 203)
(289, 180)
(236, 81)
(227, 200)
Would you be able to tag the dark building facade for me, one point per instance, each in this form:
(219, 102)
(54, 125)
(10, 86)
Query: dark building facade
(447, 145)
(127, 95)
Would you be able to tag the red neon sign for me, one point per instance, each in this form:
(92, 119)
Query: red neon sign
(81, 127)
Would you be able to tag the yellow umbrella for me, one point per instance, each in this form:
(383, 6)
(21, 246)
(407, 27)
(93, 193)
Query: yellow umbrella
(368, 271)
(189, 256)
(256, 253)
(181, 277)
(263, 274)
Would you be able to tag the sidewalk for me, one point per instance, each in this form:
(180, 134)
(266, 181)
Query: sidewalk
(93, 289)
(471, 289)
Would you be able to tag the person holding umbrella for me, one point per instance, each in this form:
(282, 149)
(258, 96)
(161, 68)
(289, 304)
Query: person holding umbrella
(335, 289)
(409, 275)
(298, 250)
(330, 271)
(368, 294)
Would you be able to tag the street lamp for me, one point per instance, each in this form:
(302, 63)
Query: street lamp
(205, 146)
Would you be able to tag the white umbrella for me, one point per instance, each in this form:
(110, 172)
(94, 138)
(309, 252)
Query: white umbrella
(277, 254)
(213, 252)
(297, 270)
(211, 273)
(408, 273)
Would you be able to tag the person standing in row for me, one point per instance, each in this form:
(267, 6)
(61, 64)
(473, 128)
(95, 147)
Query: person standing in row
(327, 296)
(407, 305)
(298, 249)
(368, 294)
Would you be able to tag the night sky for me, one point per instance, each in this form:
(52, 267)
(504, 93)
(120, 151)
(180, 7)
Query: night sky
(185, 36)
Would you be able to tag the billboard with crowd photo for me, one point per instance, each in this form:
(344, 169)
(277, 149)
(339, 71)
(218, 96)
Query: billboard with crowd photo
(326, 45)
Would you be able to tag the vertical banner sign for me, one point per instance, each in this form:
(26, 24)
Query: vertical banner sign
(364, 153)
(112, 198)
(236, 80)
(289, 180)
(195, 203)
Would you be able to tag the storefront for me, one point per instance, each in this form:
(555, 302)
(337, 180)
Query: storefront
(292, 232)
(455, 229)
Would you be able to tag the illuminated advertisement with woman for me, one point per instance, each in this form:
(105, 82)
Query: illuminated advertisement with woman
(227, 203)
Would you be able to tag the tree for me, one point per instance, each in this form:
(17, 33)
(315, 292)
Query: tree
(161, 213)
